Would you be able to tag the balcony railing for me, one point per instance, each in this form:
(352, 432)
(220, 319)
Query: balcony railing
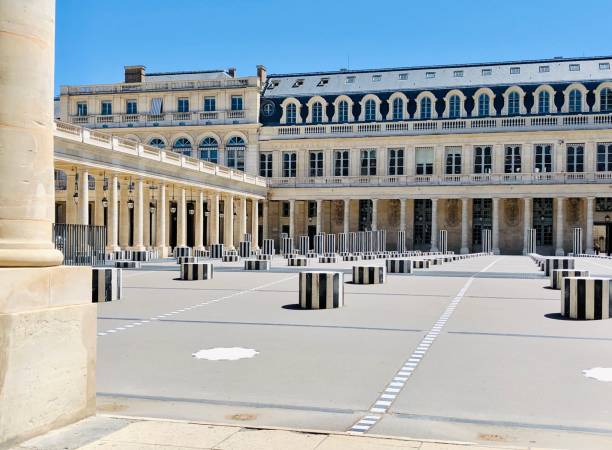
(440, 126)
(445, 180)
(164, 119)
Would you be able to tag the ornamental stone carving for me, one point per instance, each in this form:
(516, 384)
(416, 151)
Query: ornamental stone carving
(511, 212)
(453, 213)
(574, 212)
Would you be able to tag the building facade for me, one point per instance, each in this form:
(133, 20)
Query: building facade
(508, 146)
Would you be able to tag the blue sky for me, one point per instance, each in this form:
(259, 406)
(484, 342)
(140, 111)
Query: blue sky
(96, 38)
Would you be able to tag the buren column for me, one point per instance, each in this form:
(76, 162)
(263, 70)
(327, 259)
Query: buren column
(47, 320)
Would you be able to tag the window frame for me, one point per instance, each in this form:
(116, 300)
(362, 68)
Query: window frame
(342, 161)
(289, 169)
(396, 161)
(512, 159)
(574, 158)
(483, 159)
(543, 160)
(316, 163)
(367, 162)
(237, 103)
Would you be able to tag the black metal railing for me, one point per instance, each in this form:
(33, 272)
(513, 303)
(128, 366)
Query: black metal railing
(82, 245)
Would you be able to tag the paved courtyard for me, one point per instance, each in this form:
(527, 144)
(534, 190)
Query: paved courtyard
(473, 350)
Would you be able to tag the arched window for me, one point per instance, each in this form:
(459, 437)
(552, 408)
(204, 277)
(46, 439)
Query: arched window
(425, 108)
(183, 146)
(234, 151)
(605, 100)
(575, 101)
(513, 104)
(291, 114)
(317, 112)
(370, 110)
(454, 107)
(484, 105)
(544, 102)
(157, 142)
(209, 149)
(398, 109)
(343, 111)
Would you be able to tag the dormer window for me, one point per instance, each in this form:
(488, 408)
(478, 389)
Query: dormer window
(350, 79)
(515, 70)
(604, 66)
(273, 84)
(376, 78)
(458, 74)
(574, 67)
(430, 74)
(544, 69)
(298, 83)
(486, 72)
(403, 76)
(323, 82)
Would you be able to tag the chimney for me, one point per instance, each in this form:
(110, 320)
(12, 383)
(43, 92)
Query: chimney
(231, 72)
(134, 74)
(261, 74)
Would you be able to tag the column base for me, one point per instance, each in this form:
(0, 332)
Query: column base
(47, 348)
(434, 248)
(464, 250)
(559, 252)
(496, 251)
(112, 248)
(163, 251)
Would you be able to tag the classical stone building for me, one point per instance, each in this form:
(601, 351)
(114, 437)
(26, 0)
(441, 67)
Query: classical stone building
(505, 146)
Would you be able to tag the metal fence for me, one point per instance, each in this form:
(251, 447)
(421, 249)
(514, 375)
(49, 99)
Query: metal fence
(82, 245)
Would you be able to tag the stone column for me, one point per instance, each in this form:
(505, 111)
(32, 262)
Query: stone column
(255, 222)
(160, 238)
(560, 226)
(124, 217)
(402, 226)
(464, 226)
(589, 226)
(112, 235)
(292, 219)
(434, 224)
(139, 217)
(495, 230)
(213, 218)
(83, 206)
(243, 218)
(374, 225)
(228, 221)
(199, 221)
(527, 223)
(347, 215)
(47, 320)
(181, 219)
(265, 219)
(319, 216)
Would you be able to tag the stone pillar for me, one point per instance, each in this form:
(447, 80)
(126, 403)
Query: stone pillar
(242, 224)
(347, 215)
(124, 217)
(374, 225)
(560, 226)
(292, 219)
(464, 226)
(495, 230)
(47, 320)
(199, 221)
(527, 223)
(255, 222)
(181, 219)
(319, 216)
(265, 219)
(139, 217)
(589, 226)
(83, 205)
(434, 224)
(402, 226)
(213, 218)
(160, 238)
(112, 235)
(228, 221)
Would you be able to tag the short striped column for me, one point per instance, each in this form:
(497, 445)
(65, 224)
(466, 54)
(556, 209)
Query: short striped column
(369, 274)
(201, 253)
(182, 251)
(330, 243)
(247, 237)
(186, 259)
(367, 256)
(443, 241)
(140, 255)
(216, 251)
(381, 240)
(554, 263)
(244, 249)
(122, 255)
(343, 243)
(264, 257)
(106, 284)
(586, 298)
(487, 243)
(257, 264)
(401, 241)
(577, 241)
(352, 242)
(230, 257)
(531, 241)
(557, 275)
(321, 290)
(297, 261)
(196, 271)
(328, 259)
(399, 265)
(286, 246)
(319, 244)
(304, 245)
(420, 264)
(351, 257)
(128, 264)
(369, 241)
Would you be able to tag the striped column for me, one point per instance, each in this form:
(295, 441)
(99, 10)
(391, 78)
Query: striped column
(330, 244)
(182, 251)
(244, 249)
(401, 241)
(577, 241)
(256, 264)
(369, 274)
(247, 237)
(557, 275)
(216, 251)
(328, 259)
(586, 298)
(268, 247)
(286, 246)
(554, 263)
(297, 261)
(304, 245)
(397, 265)
(128, 264)
(319, 244)
(352, 242)
(106, 284)
(443, 241)
(321, 290)
(343, 243)
(196, 271)
(230, 257)
(531, 240)
(186, 259)
(487, 242)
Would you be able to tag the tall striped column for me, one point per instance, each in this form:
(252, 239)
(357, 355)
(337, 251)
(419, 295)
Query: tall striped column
(304, 245)
(577, 241)
(401, 241)
(286, 246)
(319, 244)
(443, 241)
(531, 241)
(330, 243)
(487, 244)
(352, 242)
(343, 243)
(268, 247)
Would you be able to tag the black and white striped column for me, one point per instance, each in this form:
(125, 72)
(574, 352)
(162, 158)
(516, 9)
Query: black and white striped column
(352, 242)
(268, 247)
(343, 243)
(247, 237)
(106, 284)
(420, 264)
(399, 265)
(140, 255)
(319, 244)
(487, 243)
(554, 263)
(186, 259)
(380, 238)
(256, 264)
(577, 241)
(297, 261)
(230, 257)
(351, 257)
(369, 274)
(201, 253)
(557, 275)
(443, 241)
(244, 249)
(216, 251)
(586, 298)
(128, 264)
(182, 251)
(196, 271)
(531, 240)
(328, 259)
(330, 243)
(304, 245)
(286, 246)
(264, 257)
(401, 241)
(321, 290)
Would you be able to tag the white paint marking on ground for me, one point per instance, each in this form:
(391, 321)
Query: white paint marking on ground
(382, 403)
(225, 354)
(599, 373)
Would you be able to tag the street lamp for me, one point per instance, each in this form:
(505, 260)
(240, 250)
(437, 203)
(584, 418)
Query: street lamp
(152, 208)
(130, 204)
(104, 202)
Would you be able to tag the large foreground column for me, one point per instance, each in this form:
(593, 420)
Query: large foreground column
(47, 320)
(495, 231)
(464, 226)
(434, 224)
(83, 206)
(213, 218)
(527, 223)
(228, 222)
(255, 222)
(160, 237)
(112, 239)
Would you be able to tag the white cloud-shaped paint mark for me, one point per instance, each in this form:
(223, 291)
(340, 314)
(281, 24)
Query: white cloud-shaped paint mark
(599, 373)
(225, 354)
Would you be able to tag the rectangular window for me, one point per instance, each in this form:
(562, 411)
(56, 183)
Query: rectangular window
(512, 159)
(286, 208)
(350, 79)
(210, 104)
(515, 70)
(604, 157)
(368, 162)
(453, 161)
(376, 78)
(543, 158)
(482, 159)
(543, 220)
(482, 218)
(315, 164)
(81, 109)
(575, 158)
(430, 74)
(265, 165)
(544, 69)
(458, 74)
(403, 76)
(341, 163)
(574, 67)
(312, 209)
(603, 204)
(236, 102)
(422, 223)
(131, 107)
(289, 164)
(107, 108)
(183, 105)
(396, 161)
(604, 66)
(424, 160)
(486, 72)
